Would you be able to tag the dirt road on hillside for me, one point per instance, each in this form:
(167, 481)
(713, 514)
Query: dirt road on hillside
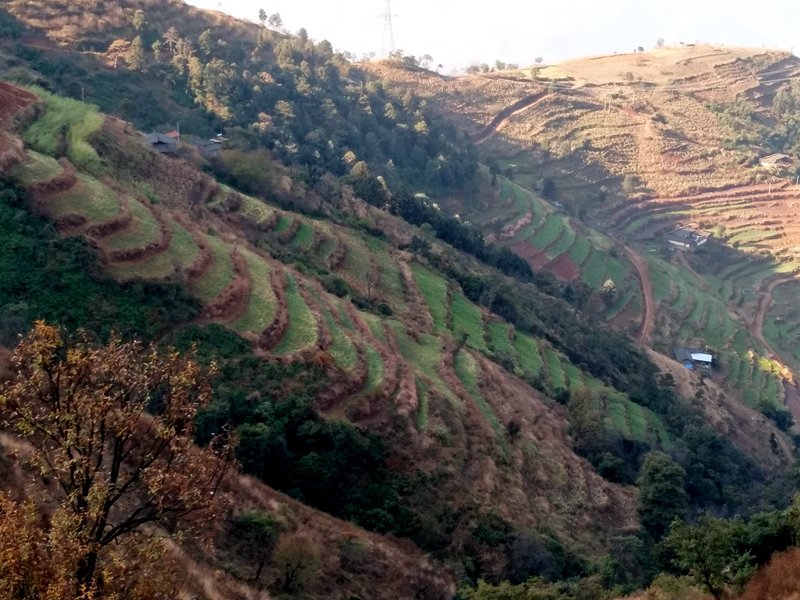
(504, 115)
(649, 315)
(756, 326)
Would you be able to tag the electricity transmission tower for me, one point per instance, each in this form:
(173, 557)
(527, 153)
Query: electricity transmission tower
(387, 47)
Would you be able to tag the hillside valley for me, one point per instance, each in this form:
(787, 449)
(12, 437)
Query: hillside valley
(438, 313)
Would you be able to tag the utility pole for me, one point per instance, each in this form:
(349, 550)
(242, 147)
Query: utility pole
(387, 47)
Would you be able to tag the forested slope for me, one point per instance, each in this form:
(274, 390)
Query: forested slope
(379, 360)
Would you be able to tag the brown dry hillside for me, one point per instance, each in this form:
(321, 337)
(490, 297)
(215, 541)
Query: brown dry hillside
(605, 117)
(354, 562)
(637, 144)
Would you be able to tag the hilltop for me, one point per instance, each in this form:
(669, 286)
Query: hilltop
(417, 344)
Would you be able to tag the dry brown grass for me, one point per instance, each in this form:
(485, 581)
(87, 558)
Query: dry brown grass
(777, 580)
(661, 66)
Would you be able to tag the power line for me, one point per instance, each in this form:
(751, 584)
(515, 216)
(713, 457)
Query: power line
(387, 46)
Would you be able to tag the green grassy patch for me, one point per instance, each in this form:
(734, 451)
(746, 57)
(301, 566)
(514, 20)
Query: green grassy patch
(262, 304)
(434, 290)
(219, 275)
(616, 270)
(374, 369)
(637, 421)
(580, 250)
(425, 355)
(283, 224)
(594, 270)
(357, 260)
(391, 284)
(89, 198)
(75, 120)
(467, 371)
(375, 325)
(304, 236)
(467, 318)
(554, 367)
(344, 318)
(683, 297)
(573, 377)
(143, 230)
(342, 349)
(549, 232)
(564, 243)
(618, 415)
(302, 331)
(181, 252)
(530, 358)
(38, 168)
(660, 279)
(499, 334)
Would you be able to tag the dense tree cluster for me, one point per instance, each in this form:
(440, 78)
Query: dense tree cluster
(297, 98)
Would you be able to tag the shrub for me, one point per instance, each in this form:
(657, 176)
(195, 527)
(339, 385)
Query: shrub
(64, 129)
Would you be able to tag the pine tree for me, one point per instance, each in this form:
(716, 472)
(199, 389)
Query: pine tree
(139, 20)
(171, 37)
(157, 50)
(135, 56)
(205, 43)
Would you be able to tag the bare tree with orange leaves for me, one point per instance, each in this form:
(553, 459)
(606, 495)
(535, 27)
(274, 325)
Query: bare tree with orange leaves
(112, 427)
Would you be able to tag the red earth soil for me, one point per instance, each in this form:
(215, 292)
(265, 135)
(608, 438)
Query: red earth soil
(12, 100)
(536, 257)
(564, 267)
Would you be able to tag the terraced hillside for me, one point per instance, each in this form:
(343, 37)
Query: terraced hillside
(407, 353)
(398, 354)
(633, 146)
(549, 239)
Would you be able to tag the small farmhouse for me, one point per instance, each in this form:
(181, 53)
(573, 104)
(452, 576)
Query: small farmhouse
(692, 357)
(686, 237)
(775, 161)
(208, 148)
(161, 142)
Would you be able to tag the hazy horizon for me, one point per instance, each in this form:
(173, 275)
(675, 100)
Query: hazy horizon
(518, 33)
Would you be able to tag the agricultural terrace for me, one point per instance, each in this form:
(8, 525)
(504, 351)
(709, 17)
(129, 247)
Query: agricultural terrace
(37, 168)
(434, 290)
(425, 356)
(181, 252)
(467, 371)
(782, 322)
(64, 116)
(342, 348)
(375, 370)
(500, 339)
(89, 198)
(254, 209)
(696, 307)
(547, 239)
(262, 304)
(143, 230)
(303, 329)
(391, 284)
(219, 275)
(468, 321)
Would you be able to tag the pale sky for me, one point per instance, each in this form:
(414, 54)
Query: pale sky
(457, 34)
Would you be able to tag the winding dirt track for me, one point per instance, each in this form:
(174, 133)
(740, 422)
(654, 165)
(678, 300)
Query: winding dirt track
(649, 315)
(504, 115)
(756, 326)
